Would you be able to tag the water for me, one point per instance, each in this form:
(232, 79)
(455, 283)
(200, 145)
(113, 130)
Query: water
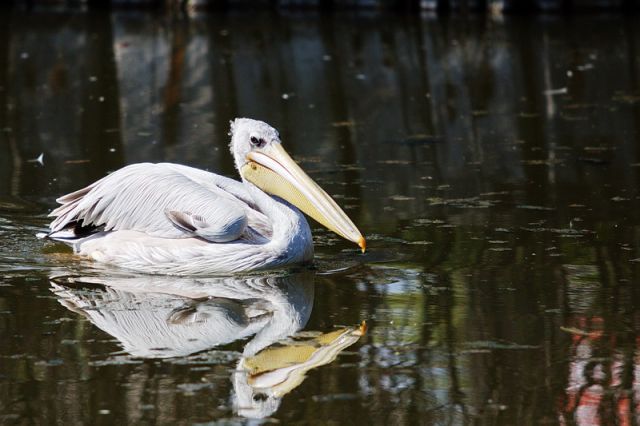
(492, 165)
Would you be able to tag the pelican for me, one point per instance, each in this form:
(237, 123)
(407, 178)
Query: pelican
(172, 219)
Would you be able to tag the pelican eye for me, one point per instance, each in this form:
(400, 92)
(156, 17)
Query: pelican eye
(257, 142)
(260, 397)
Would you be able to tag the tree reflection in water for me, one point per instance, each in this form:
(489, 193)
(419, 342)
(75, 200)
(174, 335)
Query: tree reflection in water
(603, 378)
(493, 162)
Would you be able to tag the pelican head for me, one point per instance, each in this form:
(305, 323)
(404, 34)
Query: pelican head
(261, 160)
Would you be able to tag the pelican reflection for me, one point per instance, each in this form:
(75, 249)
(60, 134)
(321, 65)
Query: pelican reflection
(164, 317)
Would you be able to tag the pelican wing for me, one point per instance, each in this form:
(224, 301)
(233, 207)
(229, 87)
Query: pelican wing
(161, 200)
(228, 188)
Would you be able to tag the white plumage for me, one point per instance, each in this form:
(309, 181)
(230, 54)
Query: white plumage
(173, 219)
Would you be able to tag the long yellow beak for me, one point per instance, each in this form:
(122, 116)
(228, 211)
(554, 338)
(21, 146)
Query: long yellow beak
(275, 172)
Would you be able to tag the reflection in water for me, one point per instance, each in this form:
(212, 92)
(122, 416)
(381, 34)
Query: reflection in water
(496, 164)
(160, 317)
(602, 381)
(264, 378)
(163, 317)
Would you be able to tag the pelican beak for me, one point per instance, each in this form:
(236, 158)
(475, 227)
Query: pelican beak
(274, 171)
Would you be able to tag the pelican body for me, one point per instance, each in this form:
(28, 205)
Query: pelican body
(172, 219)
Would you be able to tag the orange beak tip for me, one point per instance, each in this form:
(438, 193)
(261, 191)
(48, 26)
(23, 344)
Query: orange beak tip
(361, 329)
(363, 244)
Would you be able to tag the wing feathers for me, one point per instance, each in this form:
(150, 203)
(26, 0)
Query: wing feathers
(136, 198)
(184, 220)
(220, 232)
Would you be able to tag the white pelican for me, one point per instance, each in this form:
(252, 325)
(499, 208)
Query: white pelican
(172, 219)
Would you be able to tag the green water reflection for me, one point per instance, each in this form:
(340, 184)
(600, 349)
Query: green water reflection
(492, 164)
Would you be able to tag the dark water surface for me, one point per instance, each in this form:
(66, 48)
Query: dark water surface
(492, 164)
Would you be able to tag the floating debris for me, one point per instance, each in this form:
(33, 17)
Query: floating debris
(560, 91)
(39, 159)
(419, 139)
(585, 67)
(570, 117)
(403, 162)
(599, 148)
(334, 397)
(488, 344)
(593, 160)
(419, 243)
(343, 123)
(401, 198)
(579, 106)
(533, 207)
(464, 203)
(626, 98)
(546, 162)
(563, 232)
(494, 193)
(429, 222)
